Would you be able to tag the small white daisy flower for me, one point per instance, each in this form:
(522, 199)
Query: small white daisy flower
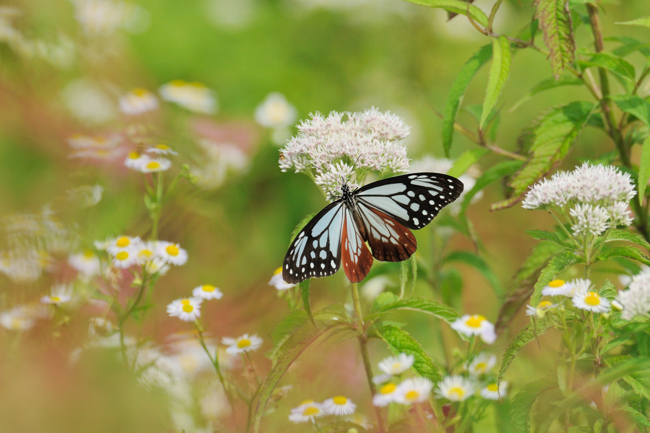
(413, 390)
(541, 309)
(188, 309)
(359, 419)
(135, 159)
(580, 285)
(397, 365)
(86, 263)
(138, 101)
(381, 378)
(162, 149)
(481, 364)
(17, 319)
(494, 392)
(157, 265)
(56, 299)
(125, 258)
(114, 245)
(455, 388)
(155, 165)
(275, 112)
(191, 96)
(207, 292)
(475, 325)
(617, 305)
(591, 301)
(386, 394)
(245, 343)
(339, 405)
(279, 282)
(558, 288)
(144, 252)
(307, 411)
(172, 253)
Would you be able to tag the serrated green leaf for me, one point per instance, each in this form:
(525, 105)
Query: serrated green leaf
(522, 403)
(548, 84)
(543, 235)
(289, 352)
(625, 251)
(555, 21)
(610, 62)
(537, 259)
(640, 22)
(414, 303)
(639, 388)
(479, 264)
(498, 76)
(557, 264)
(457, 91)
(400, 341)
(625, 235)
(639, 419)
(634, 105)
(291, 322)
(466, 160)
(629, 45)
(455, 6)
(524, 337)
(554, 137)
(608, 290)
(383, 300)
(613, 344)
(644, 168)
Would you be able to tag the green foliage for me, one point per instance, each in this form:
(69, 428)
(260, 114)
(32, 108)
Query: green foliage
(625, 251)
(634, 105)
(387, 302)
(640, 22)
(555, 21)
(466, 160)
(548, 84)
(492, 174)
(522, 403)
(612, 63)
(399, 341)
(543, 235)
(457, 7)
(626, 235)
(457, 90)
(557, 264)
(524, 337)
(304, 294)
(479, 264)
(644, 169)
(499, 73)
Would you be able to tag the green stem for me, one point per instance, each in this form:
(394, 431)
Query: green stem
(155, 215)
(363, 345)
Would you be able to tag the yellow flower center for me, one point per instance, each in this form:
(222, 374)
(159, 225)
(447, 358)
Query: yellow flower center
(278, 271)
(55, 299)
(340, 400)
(208, 288)
(134, 155)
(244, 342)
(162, 147)
(592, 299)
(412, 395)
(397, 366)
(153, 165)
(475, 321)
(89, 254)
(122, 255)
(481, 367)
(146, 253)
(311, 411)
(185, 301)
(492, 387)
(123, 242)
(178, 83)
(187, 307)
(306, 402)
(556, 283)
(172, 250)
(388, 388)
(458, 391)
(140, 92)
(544, 304)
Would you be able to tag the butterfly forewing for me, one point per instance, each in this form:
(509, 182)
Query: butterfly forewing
(357, 260)
(411, 199)
(316, 250)
(389, 240)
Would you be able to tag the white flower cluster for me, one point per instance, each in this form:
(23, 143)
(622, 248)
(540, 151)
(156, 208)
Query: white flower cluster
(460, 388)
(582, 294)
(138, 101)
(331, 148)
(145, 163)
(96, 147)
(597, 196)
(636, 299)
(153, 256)
(309, 409)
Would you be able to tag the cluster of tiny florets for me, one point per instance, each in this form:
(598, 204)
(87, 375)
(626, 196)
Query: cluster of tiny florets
(597, 197)
(636, 299)
(342, 143)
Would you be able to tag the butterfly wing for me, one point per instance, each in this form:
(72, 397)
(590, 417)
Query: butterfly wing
(389, 240)
(316, 251)
(357, 260)
(411, 199)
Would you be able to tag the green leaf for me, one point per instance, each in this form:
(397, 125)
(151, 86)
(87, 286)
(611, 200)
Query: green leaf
(610, 62)
(399, 341)
(457, 90)
(492, 174)
(499, 73)
(522, 403)
(543, 235)
(640, 22)
(629, 45)
(537, 259)
(625, 251)
(288, 353)
(414, 303)
(304, 293)
(555, 21)
(301, 225)
(554, 267)
(466, 160)
(455, 6)
(644, 168)
(524, 337)
(548, 84)
(608, 290)
(638, 387)
(634, 105)
(625, 235)
(479, 264)
(554, 137)
(294, 320)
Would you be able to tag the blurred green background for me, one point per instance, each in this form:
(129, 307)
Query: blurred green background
(322, 55)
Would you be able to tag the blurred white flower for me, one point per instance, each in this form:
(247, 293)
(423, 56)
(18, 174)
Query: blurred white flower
(307, 411)
(591, 301)
(636, 299)
(207, 292)
(386, 394)
(413, 390)
(191, 96)
(17, 319)
(475, 325)
(86, 263)
(245, 343)
(275, 112)
(558, 288)
(339, 406)
(59, 294)
(278, 282)
(396, 365)
(541, 309)
(229, 15)
(88, 102)
(455, 388)
(125, 258)
(86, 195)
(481, 364)
(102, 17)
(494, 392)
(138, 101)
(171, 252)
(220, 159)
(374, 287)
(162, 149)
(187, 309)
(152, 165)
(121, 243)
(97, 147)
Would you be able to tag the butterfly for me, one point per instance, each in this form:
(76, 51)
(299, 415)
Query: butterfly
(382, 213)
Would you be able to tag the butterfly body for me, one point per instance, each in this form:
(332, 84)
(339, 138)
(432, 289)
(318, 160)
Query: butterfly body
(380, 214)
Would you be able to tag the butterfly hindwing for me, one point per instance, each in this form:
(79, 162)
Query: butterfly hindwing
(389, 240)
(357, 260)
(411, 199)
(316, 250)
